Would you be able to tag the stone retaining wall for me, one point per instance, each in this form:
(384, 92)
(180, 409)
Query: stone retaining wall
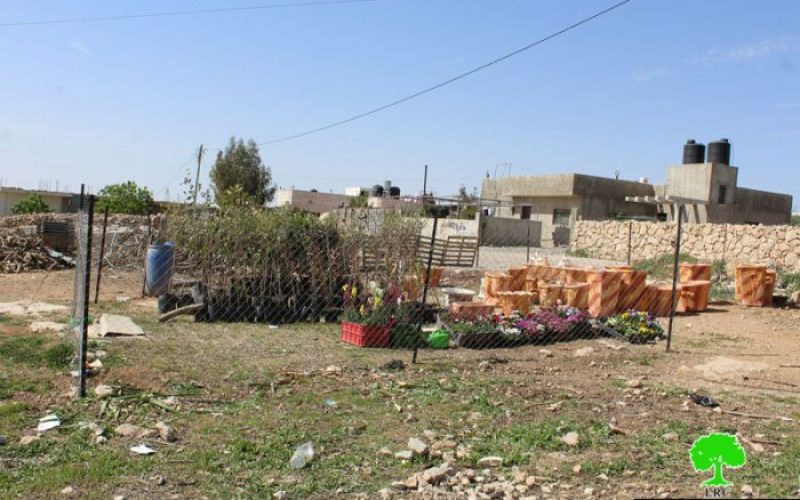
(773, 245)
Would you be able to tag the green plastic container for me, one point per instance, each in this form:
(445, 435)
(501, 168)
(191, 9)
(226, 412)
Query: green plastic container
(440, 339)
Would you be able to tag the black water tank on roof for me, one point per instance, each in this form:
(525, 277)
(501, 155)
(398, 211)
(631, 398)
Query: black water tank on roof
(377, 190)
(394, 191)
(719, 152)
(693, 152)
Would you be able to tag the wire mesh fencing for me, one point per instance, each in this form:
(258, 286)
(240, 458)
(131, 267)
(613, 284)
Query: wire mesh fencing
(391, 279)
(80, 319)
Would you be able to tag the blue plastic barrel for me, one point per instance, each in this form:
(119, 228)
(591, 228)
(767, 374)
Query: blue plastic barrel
(158, 270)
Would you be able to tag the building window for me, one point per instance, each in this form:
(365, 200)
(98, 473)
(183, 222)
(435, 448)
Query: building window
(526, 213)
(561, 216)
(723, 190)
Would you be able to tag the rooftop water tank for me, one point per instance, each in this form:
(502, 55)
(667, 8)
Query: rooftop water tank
(719, 152)
(694, 152)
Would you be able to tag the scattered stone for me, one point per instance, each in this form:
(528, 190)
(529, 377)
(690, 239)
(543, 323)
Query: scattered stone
(114, 325)
(333, 369)
(68, 491)
(490, 462)
(100, 439)
(3, 441)
(747, 489)
(484, 366)
(166, 432)
(584, 351)
(444, 445)
(602, 476)
(26, 440)
(570, 439)
(577, 469)
(394, 365)
(121, 299)
(386, 494)
(385, 452)
(160, 480)
(634, 383)
(418, 447)
(434, 475)
(127, 430)
(119, 497)
(103, 391)
(670, 436)
(280, 495)
(531, 481)
(546, 353)
(588, 492)
(411, 483)
(404, 455)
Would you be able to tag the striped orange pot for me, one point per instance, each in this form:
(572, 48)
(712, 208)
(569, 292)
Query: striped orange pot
(695, 272)
(751, 284)
(633, 290)
(496, 282)
(575, 275)
(661, 300)
(576, 295)
(604, 288)
(514, 301)
(517, 281)
(694, 295)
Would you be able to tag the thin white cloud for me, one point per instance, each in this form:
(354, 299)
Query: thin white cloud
(751, 52)
(80, 48)
(646, 75)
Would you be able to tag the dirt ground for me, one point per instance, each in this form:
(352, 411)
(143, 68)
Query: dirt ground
(241, 397)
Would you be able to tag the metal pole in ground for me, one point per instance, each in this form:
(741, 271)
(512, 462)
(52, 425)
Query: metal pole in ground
(102, 254)
(674, 300)
(427, 283)
(87, 270)
(630, 240)
(149, 236)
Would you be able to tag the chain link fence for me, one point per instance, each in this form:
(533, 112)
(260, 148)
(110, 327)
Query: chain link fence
(395, 279)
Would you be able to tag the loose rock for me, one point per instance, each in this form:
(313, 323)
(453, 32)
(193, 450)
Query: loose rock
(570, 438)
(418, 447)
(490, 462)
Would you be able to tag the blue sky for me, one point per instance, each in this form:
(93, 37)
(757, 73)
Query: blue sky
(107, 102)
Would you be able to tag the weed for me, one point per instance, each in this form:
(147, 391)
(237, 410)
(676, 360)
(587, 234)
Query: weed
(33, 351)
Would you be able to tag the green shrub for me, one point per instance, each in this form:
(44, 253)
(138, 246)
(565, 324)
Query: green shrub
(789, 280)
(33, 204)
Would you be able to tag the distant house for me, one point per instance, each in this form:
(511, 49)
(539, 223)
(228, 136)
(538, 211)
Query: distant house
(58, 202)
(706, 189)
(320, 203)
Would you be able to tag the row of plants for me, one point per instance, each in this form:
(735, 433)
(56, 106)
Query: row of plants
(383, 313)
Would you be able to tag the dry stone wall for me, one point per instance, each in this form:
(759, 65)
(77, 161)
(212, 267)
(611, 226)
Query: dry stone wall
(774, 245)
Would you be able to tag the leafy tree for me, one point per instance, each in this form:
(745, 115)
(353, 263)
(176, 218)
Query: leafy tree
(466, 202)
(125, 198)
(240, 165)
(33, 204)
(717, 450)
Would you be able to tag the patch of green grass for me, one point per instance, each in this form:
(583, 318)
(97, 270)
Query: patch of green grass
(613, 468)
(11, 384)
(34, 351)
(577, 252)
(519, 443)
(774, 476)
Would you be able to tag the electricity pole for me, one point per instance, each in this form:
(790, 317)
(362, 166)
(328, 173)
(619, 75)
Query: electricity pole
(197, 175)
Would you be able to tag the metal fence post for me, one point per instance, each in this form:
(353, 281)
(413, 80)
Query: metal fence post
(87, 271)
(427, 283)
(630, 240)
(675, 277)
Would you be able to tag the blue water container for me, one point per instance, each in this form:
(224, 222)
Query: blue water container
(158, 272)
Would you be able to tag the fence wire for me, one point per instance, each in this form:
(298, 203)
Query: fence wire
(391, 280)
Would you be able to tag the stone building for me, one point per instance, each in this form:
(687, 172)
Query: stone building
(706, 188)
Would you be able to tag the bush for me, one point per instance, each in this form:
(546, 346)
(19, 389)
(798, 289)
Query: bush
(33, 204)
(789, 280)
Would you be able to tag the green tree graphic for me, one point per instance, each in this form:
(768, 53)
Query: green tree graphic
(717, 450)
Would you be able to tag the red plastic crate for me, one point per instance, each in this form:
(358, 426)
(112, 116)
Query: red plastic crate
(366, 336)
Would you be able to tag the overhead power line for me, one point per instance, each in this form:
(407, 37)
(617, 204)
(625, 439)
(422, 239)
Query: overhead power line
(176, 13)
(451, 80)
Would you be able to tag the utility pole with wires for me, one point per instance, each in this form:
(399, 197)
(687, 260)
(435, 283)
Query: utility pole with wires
(197, 175)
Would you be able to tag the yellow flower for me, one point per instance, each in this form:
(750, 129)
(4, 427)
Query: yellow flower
(363, 310)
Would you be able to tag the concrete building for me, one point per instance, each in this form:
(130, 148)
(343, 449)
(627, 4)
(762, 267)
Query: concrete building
(58, 202)
(311, 201)
(320, 203)
(706, 188)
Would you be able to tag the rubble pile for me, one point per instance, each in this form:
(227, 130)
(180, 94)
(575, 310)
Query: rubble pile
(20, 253)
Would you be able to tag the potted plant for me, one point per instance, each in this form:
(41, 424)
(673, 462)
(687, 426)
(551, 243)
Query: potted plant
(476, 334)
(639, 327)
(368, 315)
(554, 323)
